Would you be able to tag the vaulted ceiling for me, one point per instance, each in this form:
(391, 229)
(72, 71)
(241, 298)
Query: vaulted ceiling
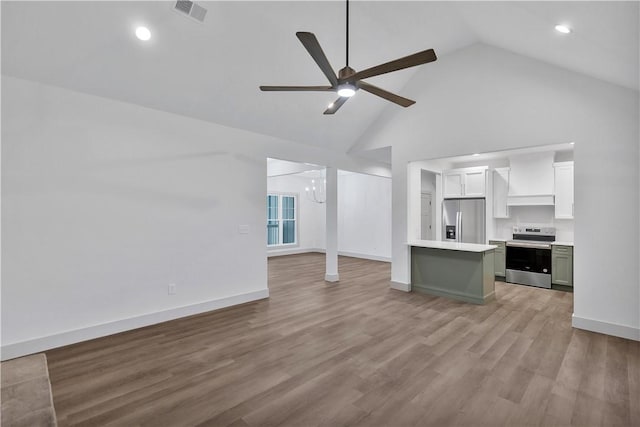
(212, 70)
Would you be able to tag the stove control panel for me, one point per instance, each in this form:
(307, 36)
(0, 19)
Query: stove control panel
(534, 230)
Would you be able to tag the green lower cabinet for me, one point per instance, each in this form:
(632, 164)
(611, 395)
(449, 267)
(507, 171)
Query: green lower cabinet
(500, 261)
(562, 265)
(457, 274)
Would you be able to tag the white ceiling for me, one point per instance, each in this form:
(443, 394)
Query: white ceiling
(505, 154)
(278, 167)
(212, 71)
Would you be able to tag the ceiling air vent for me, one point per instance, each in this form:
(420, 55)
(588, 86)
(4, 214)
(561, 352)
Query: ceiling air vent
(190, 9)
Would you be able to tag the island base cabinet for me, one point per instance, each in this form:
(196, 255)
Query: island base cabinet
(465, 276)
(562, 265)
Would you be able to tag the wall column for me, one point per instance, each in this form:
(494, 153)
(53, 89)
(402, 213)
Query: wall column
(401, 187)
(331, 274)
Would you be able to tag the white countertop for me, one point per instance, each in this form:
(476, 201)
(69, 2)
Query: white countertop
(452, 246)
(499, 240)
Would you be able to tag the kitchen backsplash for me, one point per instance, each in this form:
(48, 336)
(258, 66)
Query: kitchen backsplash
(542, 216)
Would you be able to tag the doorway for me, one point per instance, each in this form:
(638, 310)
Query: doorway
(426, 217)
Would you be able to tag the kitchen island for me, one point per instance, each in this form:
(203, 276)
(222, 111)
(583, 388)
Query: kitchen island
(462, 271)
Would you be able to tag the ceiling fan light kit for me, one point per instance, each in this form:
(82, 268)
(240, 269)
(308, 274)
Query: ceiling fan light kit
(348, 80)
(346, 90)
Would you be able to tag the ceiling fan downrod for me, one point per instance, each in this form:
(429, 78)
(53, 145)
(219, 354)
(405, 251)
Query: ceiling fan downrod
(347, 62)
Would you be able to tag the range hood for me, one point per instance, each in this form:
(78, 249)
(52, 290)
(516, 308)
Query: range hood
(531, 180)
(531, 200)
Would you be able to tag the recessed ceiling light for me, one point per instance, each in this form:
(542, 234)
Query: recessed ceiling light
(572, 143)
(563, 29)
(143, 33)
(475, 154)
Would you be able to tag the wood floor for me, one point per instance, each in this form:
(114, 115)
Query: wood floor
(358, 354)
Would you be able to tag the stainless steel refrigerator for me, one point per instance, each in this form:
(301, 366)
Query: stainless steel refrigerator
(463, 220)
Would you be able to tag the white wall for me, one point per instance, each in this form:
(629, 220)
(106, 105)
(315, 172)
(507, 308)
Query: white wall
(364, 215)
(311, 215)
(483, 99)
(542, 216)
(106, 203)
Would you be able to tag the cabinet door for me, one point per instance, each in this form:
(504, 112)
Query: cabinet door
(474, 183)
(500, 192)
(564, 191)
(453, 184)
(499, 259)
(500, 262)
(562, 269)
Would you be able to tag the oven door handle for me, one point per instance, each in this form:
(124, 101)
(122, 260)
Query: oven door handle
(529, 245)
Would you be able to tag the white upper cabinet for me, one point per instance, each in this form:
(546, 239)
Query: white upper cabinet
(466, 182)
(500, 192)
(563, 184)
(453, 184)
(475, 183)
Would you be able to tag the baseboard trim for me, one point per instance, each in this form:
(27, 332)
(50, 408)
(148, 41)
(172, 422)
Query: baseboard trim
(23, 348)
(607, 328)
(331, 278)
(459, 296)
(320, 250)
(365, 256)
(293, 251)
(399, 286)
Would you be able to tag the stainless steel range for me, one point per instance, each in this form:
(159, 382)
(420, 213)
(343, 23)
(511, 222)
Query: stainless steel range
(529, 256)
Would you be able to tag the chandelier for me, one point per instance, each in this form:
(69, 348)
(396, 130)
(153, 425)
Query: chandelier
(317, 192)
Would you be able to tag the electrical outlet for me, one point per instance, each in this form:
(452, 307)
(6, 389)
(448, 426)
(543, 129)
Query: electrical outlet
(172, 289)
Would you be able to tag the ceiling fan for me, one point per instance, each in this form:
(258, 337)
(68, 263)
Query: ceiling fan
(348, 80)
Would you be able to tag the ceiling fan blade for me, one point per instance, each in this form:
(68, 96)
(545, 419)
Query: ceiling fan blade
(335, 106)
(397, 99)
(312, 45)
(296, 88)
(399, 64)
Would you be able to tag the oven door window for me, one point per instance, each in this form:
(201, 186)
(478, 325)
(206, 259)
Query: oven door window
(529, 259)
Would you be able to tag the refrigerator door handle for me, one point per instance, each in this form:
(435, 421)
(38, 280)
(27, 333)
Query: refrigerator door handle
(457, 224)
(460, 227)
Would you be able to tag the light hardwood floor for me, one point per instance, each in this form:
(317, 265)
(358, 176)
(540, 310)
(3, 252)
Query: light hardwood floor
(354, 353)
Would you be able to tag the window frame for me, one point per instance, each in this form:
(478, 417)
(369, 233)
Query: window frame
(280, 220)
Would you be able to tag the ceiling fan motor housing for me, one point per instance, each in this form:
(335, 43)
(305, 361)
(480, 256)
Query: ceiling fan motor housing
(344, 73)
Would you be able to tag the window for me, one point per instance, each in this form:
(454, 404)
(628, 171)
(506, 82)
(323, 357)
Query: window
(281, 219)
